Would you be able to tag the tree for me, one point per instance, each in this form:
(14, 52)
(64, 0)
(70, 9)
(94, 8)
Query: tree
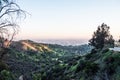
(10, 12)
(102, 38)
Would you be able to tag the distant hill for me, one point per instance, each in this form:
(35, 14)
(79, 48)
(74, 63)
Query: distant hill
(28, 45)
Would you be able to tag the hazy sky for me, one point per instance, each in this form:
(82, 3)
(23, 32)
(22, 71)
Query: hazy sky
(75, 19)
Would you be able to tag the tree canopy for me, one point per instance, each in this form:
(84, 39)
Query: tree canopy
(102, 38)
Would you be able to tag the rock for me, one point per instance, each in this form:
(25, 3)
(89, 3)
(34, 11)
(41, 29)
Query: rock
(21, 77)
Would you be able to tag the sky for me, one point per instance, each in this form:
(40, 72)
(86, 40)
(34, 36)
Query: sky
(68, 19)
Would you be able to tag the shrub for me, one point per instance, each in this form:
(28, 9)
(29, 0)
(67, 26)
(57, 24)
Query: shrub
(105, 50)
(87, 67)
(112, 61)
(91, 68)
(6, 75)
(80, 66)
(88, 56)
(37, 76)
(3, 66)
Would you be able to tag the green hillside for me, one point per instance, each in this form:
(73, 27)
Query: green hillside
(37, 61)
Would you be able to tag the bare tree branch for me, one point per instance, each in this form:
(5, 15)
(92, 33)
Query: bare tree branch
(8, 27)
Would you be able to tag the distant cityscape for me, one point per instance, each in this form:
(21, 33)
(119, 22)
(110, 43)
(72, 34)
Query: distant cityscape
(64, 42)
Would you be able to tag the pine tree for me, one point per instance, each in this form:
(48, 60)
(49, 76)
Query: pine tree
(102, 38)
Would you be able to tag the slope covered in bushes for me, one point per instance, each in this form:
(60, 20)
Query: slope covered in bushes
(49, 63)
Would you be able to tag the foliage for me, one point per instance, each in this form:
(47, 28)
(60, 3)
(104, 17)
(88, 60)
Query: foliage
(91, 68)
(3, 66)
(102, 38)
(87, 67)
(37, 76)
(6, 75)
(112, 62)
(47, 65)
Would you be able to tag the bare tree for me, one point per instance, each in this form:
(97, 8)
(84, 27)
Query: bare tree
(10, 12)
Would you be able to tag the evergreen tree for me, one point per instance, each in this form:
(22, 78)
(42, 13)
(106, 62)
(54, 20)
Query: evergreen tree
(102, 38)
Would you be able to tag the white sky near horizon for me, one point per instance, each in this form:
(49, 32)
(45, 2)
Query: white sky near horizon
(68, 19)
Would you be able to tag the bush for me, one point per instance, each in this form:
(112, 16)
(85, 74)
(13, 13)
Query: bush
(105, 50)
(6, 75)
(3, 66)
(112, 61)
(87, 67)
(88, 56)
(91, 68)
(37, 76)
(93, 51)
(80, 66)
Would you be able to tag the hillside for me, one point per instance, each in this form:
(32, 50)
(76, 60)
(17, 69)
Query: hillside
(28, 45)
(37, 61)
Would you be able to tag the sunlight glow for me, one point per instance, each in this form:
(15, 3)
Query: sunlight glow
(75, 19)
